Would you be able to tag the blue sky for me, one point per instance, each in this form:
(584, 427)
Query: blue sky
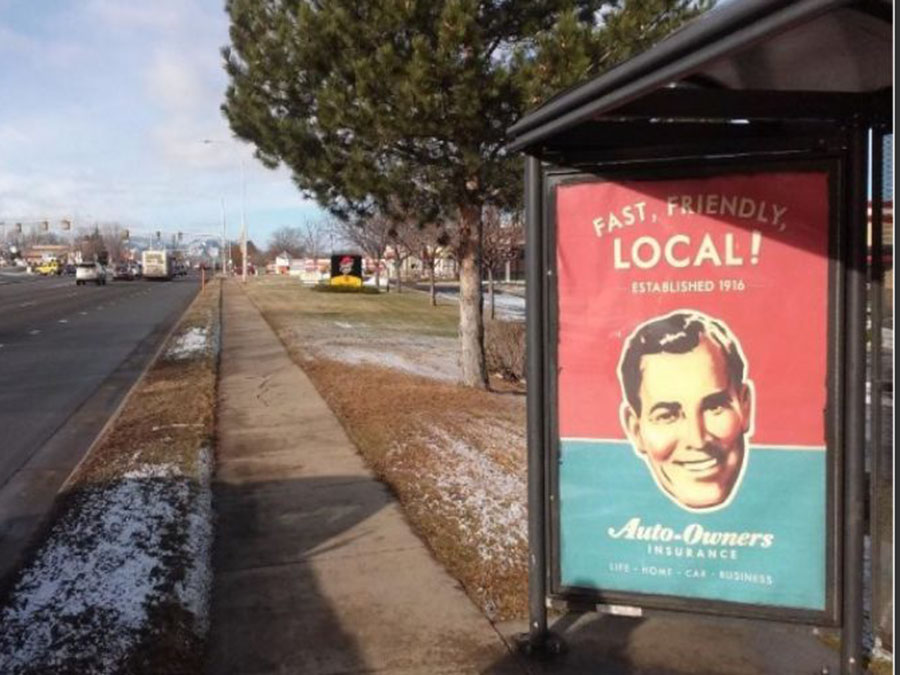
(104, 105)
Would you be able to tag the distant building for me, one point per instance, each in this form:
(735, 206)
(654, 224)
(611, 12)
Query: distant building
(283, 263)
(35, 255)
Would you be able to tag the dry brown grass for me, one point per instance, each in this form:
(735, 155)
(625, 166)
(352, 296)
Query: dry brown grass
(393, 418)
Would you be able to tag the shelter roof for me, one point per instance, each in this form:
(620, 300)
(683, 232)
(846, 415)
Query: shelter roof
(766, 61)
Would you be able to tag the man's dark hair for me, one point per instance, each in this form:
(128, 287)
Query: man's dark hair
(676, 333)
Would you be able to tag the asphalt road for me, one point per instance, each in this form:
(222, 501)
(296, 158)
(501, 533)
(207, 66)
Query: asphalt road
(68, 356)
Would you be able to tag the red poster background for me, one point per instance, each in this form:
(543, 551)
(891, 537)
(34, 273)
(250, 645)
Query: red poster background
(780, 318)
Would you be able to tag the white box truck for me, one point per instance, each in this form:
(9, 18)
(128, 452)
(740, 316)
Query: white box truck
(157, 264)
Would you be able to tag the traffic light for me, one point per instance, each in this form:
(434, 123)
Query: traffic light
(158, 235)
(179, 236)
(19, 228)
(66, 224)
(125, 235)
(45, 226)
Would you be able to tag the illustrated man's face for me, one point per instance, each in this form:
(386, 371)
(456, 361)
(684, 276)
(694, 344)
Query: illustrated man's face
(692, 423)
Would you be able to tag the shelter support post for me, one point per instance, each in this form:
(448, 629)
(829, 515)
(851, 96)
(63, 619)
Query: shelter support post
(881, 484)
(855, 402)
(539, 641)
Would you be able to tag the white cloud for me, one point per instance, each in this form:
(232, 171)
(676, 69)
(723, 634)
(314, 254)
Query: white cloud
(32, 197)
(158, 15)
(60, 53)
(175, 84)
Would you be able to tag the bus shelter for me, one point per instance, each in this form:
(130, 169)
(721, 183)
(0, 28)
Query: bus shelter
(706, 267)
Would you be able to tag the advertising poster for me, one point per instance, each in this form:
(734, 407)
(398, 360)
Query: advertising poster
(692, 356)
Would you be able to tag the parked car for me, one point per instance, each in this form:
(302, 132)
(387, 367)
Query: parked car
(69, 269)
(90, 271)
(123, 272)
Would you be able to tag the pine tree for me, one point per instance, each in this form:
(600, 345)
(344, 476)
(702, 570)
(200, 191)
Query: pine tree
(400, 107)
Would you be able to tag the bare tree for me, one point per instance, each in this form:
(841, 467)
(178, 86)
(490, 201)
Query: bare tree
(402, 237)
(90, 243)
(503, 237)
(427, 243)
(39, 233)
(317, 235)
(289, 240)
(254, 256)
(113, 236)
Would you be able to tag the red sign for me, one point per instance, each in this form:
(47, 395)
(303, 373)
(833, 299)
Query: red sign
(750, 250)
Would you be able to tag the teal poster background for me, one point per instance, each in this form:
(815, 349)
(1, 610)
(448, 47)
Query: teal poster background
(605, 486)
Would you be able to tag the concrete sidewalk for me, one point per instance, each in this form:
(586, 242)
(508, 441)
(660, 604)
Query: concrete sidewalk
(316, 569)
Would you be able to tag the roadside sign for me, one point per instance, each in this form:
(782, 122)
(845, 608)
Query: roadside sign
(346, 270)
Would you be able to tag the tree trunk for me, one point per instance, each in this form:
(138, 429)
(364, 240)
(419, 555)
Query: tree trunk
(471, 319)
(433, 294)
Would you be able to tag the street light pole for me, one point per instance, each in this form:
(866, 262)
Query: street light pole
(243, 227)
(209, 141)
(224, 240)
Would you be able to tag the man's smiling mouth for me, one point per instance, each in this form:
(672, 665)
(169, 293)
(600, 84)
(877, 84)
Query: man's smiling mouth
(703, 465)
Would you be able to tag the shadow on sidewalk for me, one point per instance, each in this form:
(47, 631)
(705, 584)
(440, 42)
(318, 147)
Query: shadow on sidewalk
(268, 613)
(673, 644)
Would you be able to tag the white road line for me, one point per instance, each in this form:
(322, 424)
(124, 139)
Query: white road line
(28, 304)
(34, 331)
(64, 321)
(83, 313)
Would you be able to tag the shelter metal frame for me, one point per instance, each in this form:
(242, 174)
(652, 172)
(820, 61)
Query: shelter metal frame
(689, 88)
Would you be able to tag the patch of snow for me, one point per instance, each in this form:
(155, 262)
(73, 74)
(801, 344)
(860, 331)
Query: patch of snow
(191, 343)
(425, 364)
(166, 470)
(83, 602)
(174, 426)
(382, 281)
(507, 306)
(485, 500)
(85, 597)
(194, 590)
(343, 324)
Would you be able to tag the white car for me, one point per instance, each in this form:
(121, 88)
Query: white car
(90, 271)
